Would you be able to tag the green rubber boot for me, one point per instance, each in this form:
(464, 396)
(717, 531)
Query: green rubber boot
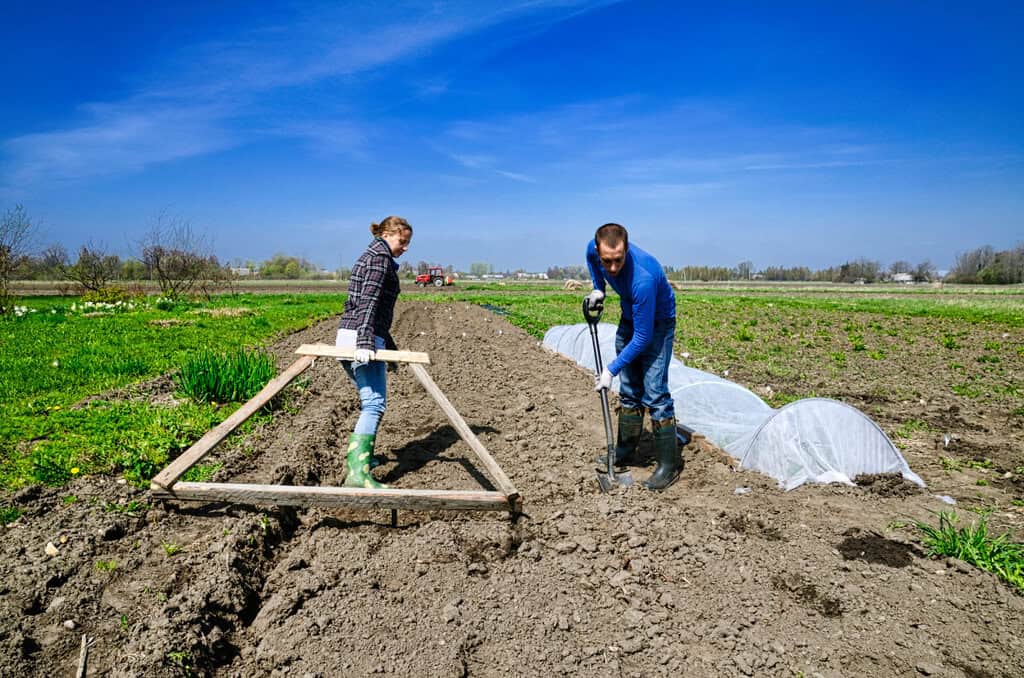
(631, 426)
(666, 451)
(360, 454)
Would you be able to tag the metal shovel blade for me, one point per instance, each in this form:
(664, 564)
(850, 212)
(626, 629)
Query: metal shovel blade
(608, 481)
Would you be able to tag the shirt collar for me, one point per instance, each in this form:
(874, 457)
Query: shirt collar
(387, 248)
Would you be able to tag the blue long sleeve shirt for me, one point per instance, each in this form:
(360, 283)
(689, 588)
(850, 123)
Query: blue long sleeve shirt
(644, 293)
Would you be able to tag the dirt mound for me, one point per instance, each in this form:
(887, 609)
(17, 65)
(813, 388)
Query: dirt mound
(698, 580)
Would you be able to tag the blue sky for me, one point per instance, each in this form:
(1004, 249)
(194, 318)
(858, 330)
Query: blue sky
(780, 133)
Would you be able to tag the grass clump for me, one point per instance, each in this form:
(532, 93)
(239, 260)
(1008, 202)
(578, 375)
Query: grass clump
(9, 514)
(225, 377)
(170, 548)
(973, 544)
(910, 427)
(201, 473)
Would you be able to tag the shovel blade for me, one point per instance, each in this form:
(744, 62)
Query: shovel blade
(607, 481)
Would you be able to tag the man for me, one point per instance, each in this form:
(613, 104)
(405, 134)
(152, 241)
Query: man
(644, 345)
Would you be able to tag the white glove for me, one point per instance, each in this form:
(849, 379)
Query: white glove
(363, 356)
(595, 298)
(604, 381)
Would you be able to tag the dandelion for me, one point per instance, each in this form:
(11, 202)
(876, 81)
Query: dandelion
(74, 470)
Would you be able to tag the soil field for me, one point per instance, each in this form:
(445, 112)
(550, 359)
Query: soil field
(698, 580)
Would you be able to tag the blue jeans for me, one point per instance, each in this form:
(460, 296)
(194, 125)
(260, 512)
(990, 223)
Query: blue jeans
(644, 382)
(371, 381)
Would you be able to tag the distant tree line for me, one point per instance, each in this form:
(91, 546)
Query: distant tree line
(178, 258)
(284, 267)
(171, 253)
(858, 270)
(986, 266)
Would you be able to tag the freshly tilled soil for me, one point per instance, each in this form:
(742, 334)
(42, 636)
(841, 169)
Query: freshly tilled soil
(697, 580)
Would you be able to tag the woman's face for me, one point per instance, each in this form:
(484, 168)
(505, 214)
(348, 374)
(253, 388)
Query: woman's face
(398, 242)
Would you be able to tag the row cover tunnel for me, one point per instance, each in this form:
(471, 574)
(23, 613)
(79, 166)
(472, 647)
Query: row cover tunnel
(809, 440)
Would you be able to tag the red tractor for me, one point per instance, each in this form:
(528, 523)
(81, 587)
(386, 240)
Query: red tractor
(434, 276)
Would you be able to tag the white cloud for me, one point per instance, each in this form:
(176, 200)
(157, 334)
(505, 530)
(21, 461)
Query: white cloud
(827, 164)
(213, 96)
(330, 137)
(514, 176)
(118, 140)
(471, 161)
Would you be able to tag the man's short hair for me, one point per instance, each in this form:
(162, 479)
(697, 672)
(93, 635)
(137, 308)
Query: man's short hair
(611, 234)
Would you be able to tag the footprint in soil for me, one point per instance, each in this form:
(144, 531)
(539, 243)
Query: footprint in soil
(808, 594)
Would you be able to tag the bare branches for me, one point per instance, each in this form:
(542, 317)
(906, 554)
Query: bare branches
(985, 265)
(16, 233)
(179, 260)
(94, 269)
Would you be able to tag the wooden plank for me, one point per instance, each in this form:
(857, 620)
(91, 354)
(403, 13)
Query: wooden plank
(177, 468)
(494, 471)
(350, 497)
(329, 351)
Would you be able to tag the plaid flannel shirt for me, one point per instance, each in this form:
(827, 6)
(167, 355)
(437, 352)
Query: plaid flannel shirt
(372, 292)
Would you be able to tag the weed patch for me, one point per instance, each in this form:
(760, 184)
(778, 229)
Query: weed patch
(973, 545)
(225, 377)
(9, 514)
(910, 427)
(201, 473)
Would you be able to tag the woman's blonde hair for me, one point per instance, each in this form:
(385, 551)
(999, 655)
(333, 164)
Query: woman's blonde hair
(390, 225)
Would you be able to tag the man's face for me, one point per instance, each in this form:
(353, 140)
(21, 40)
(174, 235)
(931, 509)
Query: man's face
(613, 258)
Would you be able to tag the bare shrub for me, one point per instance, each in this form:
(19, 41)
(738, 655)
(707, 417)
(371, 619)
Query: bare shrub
(16, 233)
(179, 260)
(94, 269)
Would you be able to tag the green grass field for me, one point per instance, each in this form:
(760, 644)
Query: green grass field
(797, 340)
(59, 353)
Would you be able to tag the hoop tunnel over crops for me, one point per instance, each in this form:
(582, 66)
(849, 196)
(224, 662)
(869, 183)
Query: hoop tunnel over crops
(810, 440)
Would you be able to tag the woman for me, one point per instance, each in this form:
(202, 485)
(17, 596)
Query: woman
(366, 326)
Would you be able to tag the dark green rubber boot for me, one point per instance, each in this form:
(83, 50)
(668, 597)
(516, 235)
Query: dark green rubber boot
(668, 454)
(360, 454)
(631, 426)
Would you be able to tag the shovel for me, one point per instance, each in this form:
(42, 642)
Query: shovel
(608, 480)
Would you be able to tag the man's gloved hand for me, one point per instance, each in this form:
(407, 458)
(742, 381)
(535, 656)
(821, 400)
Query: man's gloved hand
(604, 381)
(363, 356)
(595, 299)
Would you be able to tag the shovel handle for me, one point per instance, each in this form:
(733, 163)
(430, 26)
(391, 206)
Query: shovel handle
(599, 366)
(592, 314)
